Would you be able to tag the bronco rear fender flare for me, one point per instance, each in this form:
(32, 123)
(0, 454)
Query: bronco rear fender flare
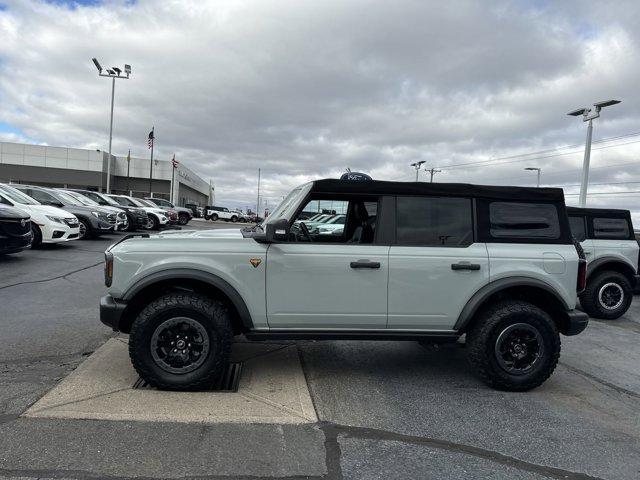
(478, 299)
(199, 275)
(616, 261)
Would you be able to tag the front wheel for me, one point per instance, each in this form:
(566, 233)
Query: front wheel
(36, 236)
(181, 341)
(214, 217)
(183, 219)
(234, 219)
(514, 346)
(85, 229)
(152, 222)
(608, 295)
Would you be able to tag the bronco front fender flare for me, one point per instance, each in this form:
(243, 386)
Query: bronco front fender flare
(195, 274)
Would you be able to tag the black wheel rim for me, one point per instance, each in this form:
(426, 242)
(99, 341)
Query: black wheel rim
(519, 348)
(611, 296)
(149, 223)
(180, 345)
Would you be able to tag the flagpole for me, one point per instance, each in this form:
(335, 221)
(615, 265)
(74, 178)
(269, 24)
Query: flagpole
(153, 141)
(128, 164)
(173, 176)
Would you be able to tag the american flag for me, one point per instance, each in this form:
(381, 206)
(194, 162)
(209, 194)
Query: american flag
(174, 161)
(150, 142)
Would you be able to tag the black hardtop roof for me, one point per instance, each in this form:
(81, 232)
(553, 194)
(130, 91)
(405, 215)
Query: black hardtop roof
(599, 212)
(379, 187)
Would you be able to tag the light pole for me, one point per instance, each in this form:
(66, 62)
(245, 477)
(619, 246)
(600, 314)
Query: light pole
(417, 166)
(538, 170)
(432, 171)
(587, 117)
(113, 73)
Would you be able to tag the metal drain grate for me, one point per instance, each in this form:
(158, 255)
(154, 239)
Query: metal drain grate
(227, 383)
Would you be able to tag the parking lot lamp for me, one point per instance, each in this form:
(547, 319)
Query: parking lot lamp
(417, 166)
(587, 116)
(538, 170)
(113, 73)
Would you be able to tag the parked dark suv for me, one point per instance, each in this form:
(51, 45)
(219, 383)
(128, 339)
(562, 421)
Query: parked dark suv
(15, 230)
(137, 216)
(94, 221)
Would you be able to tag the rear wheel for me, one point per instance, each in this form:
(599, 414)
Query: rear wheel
(181, 341)
(214, 217)
(514, 346)
(183, 219)
(608, 295)
(234, 219)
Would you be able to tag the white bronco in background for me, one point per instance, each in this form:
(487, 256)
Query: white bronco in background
(220, 213)
(611, 250)
(415, 261)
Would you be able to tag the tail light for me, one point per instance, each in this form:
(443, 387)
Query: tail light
(582, 275)
(108, 268)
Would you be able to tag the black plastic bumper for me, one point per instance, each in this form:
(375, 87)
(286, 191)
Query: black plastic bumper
(577, 321)
(111, 311)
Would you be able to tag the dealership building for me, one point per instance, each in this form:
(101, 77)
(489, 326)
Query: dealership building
(87, 169)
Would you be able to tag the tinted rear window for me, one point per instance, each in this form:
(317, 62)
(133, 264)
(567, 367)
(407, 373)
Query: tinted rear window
(523, 220)
(434, 221)
(578, 229)
(610, 228)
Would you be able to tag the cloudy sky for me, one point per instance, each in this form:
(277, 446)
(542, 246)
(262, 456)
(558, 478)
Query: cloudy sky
(305, 89)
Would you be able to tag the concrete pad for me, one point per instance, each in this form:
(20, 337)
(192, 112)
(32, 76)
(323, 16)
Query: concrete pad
(272, 389)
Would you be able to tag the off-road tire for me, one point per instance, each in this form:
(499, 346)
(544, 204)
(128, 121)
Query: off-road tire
(214, 217)
(211, 314)
(36, 236)
(234, 219)
(183, 219)
(590, 298)
(482, 338)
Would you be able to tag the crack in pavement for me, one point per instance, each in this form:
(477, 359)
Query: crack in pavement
(333, 431)
(51, 278)
(618, 389)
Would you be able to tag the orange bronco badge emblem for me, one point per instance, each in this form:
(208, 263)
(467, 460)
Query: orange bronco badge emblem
(255, 262)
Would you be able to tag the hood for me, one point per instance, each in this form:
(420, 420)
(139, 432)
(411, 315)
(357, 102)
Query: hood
(12, 213)
(221, 233)
(48, 210)
(154, 210)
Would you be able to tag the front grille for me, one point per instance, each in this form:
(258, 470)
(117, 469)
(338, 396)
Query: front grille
(14, 228)
(72, 222)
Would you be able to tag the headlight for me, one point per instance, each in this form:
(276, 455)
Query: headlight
(100, 215)
(55, 219)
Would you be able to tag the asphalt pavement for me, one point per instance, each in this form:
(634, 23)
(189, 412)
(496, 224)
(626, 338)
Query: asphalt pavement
(385, 409)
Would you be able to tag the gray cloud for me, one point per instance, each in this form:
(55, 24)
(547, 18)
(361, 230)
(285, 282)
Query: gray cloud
(305, 89)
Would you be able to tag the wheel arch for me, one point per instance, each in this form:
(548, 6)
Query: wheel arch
(186, 279)
(612, 263)
(530, 290)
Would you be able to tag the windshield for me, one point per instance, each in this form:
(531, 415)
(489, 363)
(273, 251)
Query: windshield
(289, 204)
(17, 196)
(66, 199)
(109, 200)
(82, 199)
(124, 201)
(136, 202)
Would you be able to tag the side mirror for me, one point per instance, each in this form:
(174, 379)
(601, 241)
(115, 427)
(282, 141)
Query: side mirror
(277, 231)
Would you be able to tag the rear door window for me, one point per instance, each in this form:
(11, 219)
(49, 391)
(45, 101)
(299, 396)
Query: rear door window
(523, 220)
(578, 228)
(434, 221)
(614, 228)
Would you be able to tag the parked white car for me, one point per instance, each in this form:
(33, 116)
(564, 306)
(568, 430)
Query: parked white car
(156, 216)
(221, 213)
(49, 224)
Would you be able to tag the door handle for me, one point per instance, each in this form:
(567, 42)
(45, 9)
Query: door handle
(465, 266)
(365, 264)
